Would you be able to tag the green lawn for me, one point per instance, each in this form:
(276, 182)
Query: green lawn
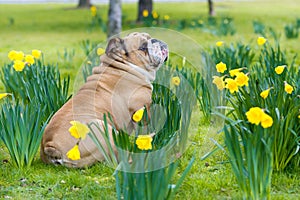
(59, 28)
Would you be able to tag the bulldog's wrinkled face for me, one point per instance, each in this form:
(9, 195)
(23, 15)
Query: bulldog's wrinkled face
(138, 49)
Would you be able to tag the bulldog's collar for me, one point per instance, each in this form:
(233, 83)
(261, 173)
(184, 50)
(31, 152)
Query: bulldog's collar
(150, 76)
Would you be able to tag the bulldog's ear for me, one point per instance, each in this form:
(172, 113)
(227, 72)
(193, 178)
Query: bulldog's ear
(115, 46)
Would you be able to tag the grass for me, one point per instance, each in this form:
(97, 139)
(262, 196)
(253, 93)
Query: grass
(56, 28)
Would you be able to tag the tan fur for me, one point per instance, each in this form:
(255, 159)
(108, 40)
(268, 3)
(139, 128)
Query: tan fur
(114, 87)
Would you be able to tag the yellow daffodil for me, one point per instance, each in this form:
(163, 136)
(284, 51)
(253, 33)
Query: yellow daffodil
(74, 153)
(166, 17)
(219, 43)
(231, 85)
(298, 116)
(261, 41)
(175, 81)
(254, 115)
(18, 65)
(100, 51)
(16, 55)
(264, 94)
(241, 79)
(288, 88)
(154, 15)
(145, 13)
(266, 121)
(36, 53)
(221, 67)
(138, 115)
(2, 95)
(233, 72)
(19, 55)
(78, 130)
(279, 69)
(218, 81)
(12, 55)
(29, 59)
(93, 10)
(144, 142)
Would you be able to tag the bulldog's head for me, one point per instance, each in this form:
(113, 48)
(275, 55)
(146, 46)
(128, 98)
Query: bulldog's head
(138, 49)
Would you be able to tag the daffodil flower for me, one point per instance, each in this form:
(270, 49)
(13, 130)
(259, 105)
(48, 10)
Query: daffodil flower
(221, 67)
(233, 72)
(36, 53)
(175, 81)
(154, 15)
(19, 55)
(264, 94)
(78, 130)
(280, 69)
(219, 43)
(2, 95)
(288, 88)
(218, 81)
(145, 13)
(166, 17)
(231, 85)
(29, 59)
(144, 142)
(261, 41)
(93, 10)
(100, 51)
(254, 115)
(12, 55)
(138, 115)
(266, 121)
(18, 65)
(74, 153)
(241, 79)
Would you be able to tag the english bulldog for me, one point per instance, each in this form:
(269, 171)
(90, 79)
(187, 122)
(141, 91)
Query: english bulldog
(120, 86)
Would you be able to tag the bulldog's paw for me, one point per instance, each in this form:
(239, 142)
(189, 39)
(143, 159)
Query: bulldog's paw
(53, 155)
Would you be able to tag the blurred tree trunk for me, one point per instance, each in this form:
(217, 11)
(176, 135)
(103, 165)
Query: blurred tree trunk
(84, 4)
(211, 8)
(144, 5)
(114, 18)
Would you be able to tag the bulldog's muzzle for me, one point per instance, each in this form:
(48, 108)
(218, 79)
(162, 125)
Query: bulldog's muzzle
(158, 52)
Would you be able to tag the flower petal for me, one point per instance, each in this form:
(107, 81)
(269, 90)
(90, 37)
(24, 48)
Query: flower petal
(144, 142)
(74, 153)
(138, 115)
(288, 88)
(254, 115)
(266, 121)
(78, 130)
(2, 95)
(175, 81)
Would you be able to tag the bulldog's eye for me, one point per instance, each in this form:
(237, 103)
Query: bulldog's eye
(144, 47)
